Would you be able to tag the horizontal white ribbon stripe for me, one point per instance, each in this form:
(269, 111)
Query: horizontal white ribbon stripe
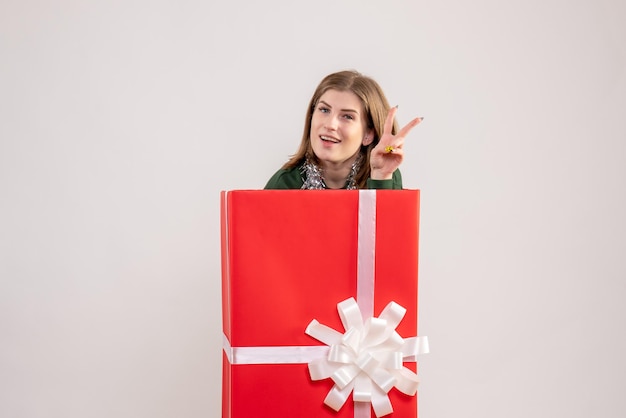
(273, 355)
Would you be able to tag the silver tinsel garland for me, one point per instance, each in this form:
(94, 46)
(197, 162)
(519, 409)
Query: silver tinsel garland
(313, 176)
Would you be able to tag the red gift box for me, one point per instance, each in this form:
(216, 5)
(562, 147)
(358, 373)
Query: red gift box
(290, 256)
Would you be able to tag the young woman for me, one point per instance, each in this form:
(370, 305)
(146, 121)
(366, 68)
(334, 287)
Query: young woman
(350, 139)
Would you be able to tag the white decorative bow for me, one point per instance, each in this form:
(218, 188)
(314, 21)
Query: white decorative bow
(367, 359)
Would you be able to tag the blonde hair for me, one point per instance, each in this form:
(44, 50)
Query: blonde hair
(375, 107)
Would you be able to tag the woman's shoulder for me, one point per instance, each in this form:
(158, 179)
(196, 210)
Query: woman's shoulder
(286, 178)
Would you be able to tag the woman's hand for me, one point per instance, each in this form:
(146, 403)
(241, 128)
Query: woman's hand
(387, 156)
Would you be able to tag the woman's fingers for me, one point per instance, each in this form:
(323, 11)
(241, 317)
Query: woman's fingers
(397, 143)
(388, 153)
(407, 128)
(389, 121)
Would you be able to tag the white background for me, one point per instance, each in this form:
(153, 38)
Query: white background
(121, 121)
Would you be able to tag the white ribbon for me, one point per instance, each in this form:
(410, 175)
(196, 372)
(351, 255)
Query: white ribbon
(366, 241)
(287, 354)
(366, 360)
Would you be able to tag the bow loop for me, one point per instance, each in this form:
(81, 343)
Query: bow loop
(350, 314)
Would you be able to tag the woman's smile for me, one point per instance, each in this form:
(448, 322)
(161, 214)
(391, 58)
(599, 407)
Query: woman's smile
(329, 139)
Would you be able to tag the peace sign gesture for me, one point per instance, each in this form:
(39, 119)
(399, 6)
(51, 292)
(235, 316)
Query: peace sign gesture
(387, 156)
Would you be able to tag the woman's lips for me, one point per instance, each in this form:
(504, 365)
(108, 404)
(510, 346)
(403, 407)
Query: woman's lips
(329, 139)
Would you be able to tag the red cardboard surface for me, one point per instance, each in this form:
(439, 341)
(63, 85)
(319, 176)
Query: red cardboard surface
(289, 256)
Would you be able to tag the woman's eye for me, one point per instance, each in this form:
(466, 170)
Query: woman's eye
(349, 117)
(324, 109)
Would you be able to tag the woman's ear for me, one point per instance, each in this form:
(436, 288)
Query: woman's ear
(368, 138)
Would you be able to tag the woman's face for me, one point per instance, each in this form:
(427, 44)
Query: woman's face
(338, 128)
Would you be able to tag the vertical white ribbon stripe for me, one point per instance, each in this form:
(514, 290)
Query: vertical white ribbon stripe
(366, 252)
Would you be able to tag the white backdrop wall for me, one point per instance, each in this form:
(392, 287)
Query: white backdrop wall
(121, 121)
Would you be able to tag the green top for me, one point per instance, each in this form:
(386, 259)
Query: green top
(291, 178)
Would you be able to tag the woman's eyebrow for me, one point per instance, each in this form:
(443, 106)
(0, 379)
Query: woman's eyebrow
(343, 110)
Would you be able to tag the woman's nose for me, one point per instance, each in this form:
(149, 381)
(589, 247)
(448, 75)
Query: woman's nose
(331, 122)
